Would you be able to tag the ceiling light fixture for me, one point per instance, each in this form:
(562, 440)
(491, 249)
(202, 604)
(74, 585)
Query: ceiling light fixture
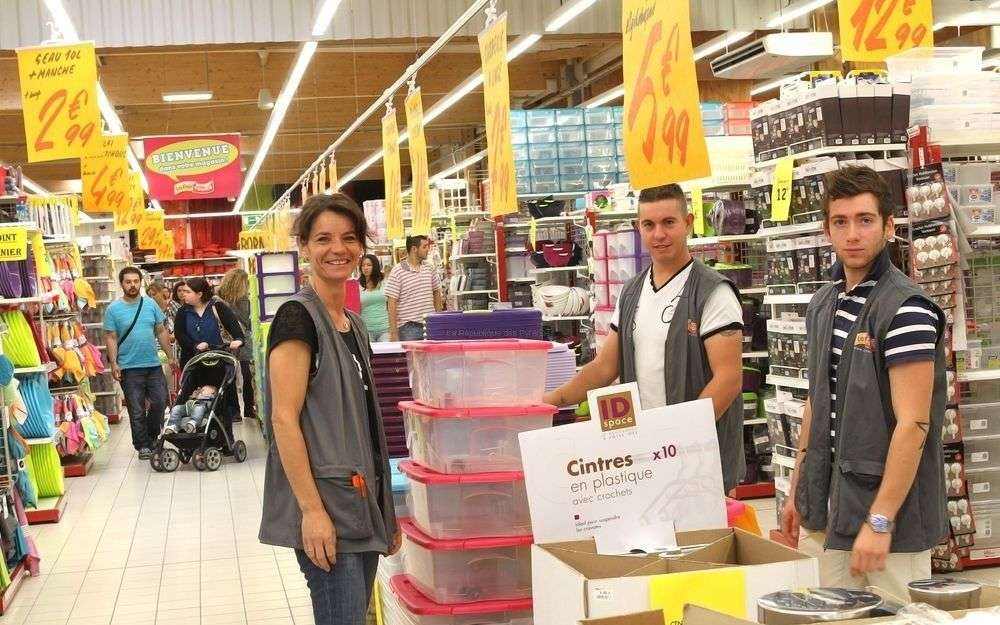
(454, 169)
(795, 11)
(604, 98)
(567, 13)
(277, 116)
(721, 42)
(324, 17)
(265, 101)
(186, 96)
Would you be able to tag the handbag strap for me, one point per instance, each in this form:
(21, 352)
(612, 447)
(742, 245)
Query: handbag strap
(121, 339)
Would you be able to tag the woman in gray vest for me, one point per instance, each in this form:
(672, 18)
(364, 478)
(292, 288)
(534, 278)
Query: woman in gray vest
(327, 490)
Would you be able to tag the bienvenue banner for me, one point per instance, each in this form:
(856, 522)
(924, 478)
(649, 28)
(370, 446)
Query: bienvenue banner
(190, 167)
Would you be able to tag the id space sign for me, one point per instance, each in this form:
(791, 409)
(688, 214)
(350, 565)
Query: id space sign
(192, 167)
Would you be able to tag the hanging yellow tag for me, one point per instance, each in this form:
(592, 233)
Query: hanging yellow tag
(332, 173)
(74, 210)
(781, 192)
(698, 208)
(38, 253)
(532, 232)
(322, 179)
(454, 228)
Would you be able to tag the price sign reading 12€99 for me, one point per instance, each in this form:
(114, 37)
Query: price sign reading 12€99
(59, 100)
(664, 141)
(871, 30)
(496, 98)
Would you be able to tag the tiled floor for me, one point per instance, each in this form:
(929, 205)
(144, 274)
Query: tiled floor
(137, 547)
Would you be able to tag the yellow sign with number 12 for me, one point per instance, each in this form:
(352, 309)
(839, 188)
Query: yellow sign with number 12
(781, 191)
(871, 30)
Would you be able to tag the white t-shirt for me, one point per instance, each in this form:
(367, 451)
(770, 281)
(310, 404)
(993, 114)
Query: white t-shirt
(652, 322)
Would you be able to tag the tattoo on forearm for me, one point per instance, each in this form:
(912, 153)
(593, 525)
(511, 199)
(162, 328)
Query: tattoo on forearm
(925, 427)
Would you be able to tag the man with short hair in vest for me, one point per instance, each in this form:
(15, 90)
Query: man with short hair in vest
(869, 479)
(677, 331)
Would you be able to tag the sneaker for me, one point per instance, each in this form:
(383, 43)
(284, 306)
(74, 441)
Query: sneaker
(145, 453)
(170, 429)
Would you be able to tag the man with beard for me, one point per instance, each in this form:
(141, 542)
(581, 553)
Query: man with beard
(130, 325)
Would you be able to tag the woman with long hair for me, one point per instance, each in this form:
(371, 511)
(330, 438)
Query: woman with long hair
(234, 291)
(374, 308)
(327, 485)
(200, 322)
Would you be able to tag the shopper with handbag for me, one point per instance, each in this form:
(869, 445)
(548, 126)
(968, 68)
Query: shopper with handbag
(130, 325)
(203, 320)
(234, 291)
(327, 485)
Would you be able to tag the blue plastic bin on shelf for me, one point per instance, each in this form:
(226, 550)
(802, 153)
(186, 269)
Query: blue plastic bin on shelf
(572, 166)
(573, 149)
(524, 185)
(619, 148)
(606, 165)
(522, 169)
(518, 118)
(570, 134)
(605, 132)
(712, 111)
(521, 152)
(519, 136)
(574, 183)
(545, 184)
(714, 128)
(599, 149)
(569, 117)
(540, 118)
(621, 163)
(619, 132)
(600, 115)
(602, 181)
(542, 151)
(618, 113)
(542, 168)
(545, 134)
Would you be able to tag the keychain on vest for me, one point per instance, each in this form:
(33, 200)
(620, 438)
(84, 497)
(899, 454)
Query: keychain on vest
(360, 374)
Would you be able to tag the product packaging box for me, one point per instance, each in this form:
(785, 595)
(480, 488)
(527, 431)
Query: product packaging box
(883, 113)
(850, 113)
(829, 113)
(866, 113)
(900, 111)
(728, 569)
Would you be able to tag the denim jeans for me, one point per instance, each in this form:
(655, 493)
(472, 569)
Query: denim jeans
(411, 331)
(341, 596)
(141, 386)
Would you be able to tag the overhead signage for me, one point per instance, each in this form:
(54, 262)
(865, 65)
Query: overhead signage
(496, 98)
(150, 227)
(871, 30)
(105, 175)
(392, 175)
(418, 164)
(192, 167)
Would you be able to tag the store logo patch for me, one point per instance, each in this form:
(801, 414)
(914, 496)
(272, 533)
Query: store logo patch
(692, 328)
(864, 342)
(616, 411)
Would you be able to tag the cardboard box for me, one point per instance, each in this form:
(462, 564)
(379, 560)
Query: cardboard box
(829, 111)
(900, 111)
(850, 112)
(571, 582)
(866, 111)
(883, 113)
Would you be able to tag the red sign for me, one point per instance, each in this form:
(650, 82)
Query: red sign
(192, 167)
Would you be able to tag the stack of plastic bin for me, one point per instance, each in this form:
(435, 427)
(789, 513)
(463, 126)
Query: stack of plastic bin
(467, 543)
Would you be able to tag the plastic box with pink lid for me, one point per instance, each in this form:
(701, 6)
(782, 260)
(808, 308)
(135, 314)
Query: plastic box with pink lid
(449, 506)
(468, 570)
(417, 609)
(478, 374)
(470, 440)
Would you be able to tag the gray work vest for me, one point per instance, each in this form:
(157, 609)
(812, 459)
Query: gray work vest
(335, 425)
(686, 366)
(848, 483)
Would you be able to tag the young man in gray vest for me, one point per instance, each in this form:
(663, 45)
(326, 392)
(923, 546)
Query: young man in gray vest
(676, 331)
(869, 478)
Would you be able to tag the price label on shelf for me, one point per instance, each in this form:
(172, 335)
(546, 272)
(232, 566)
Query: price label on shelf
(496, 98)
(698, 207)
(13, 244)
(59, 100)
(871, 30)
(418, 164)
(105, 176)
(393, 177)
(664, 140)
(781, 192)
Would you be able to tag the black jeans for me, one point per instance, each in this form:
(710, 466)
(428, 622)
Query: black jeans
(142, 386)
(249, 400)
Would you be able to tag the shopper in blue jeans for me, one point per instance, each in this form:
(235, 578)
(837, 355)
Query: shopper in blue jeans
(132, 325)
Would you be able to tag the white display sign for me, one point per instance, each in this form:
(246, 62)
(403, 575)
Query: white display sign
(625, 473)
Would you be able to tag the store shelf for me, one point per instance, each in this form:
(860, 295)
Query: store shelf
(99, 279)
(752, 355)
(834, 149)
(516, 250)
(783, 461)
(616, 215)
(574, 318)
(760, 490)
(953, 150)
(461, 257)
(49, 510)
(757, 290)
(48, 367)
(522, 280)
(980, 375)
(546, 221)
(795, 298)
(104, 393)
(43, 440)
(787, 382)
(17, 577)
(791, 230)
(760, 421)
(559, 269)
(726, 238)
(78, 466)
(37, 299)
(188, 260)
(480, 292)
(561, 195)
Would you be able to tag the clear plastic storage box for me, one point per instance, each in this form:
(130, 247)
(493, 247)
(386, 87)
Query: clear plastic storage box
(981, 420)
(569, 117)
(598, 149)
(417, 609)
(466, 571)
(451, 506)
(573, 149)
(570, 134)
(542, 151)
(470, 440)
(475, 374)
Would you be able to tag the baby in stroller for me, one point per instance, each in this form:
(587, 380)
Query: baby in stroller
(188, 415)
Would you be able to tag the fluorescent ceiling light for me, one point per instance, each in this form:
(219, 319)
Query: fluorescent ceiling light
(277, 116)
(186, 96)
(721, 42)
(795, 11)
(324, 17)
(604, 98)
(566, 14)
(358, 169)
(522, 43)
(772, 84)
(454, 169)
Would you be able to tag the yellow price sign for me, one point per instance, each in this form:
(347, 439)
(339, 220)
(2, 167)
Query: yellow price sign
(393, 177)
(105, 176)
(533, 232)
(418, 164)
(59, 100)
(129, 218)
(722, 590)
(13, 243)
(496, 98)
(165, 247)
(781, 190)
(871, 30)
(150, 228)
(698, 208)
(664, 140)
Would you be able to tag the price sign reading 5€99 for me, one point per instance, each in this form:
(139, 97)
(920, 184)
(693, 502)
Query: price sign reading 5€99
(664, 141)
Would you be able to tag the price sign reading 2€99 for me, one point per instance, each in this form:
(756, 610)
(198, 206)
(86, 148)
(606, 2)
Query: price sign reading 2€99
(664, 141)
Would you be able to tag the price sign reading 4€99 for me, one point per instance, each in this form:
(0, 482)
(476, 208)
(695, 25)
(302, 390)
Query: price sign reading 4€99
(871, 30)
(664, 141)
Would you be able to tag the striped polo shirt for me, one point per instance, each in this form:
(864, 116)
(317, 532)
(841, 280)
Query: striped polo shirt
(413, 290)
(912, 335)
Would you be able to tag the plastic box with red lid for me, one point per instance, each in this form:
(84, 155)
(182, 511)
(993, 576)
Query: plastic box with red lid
(478, 374)
(470, 570)
(470, 440)
(451, 506)
(417, 609)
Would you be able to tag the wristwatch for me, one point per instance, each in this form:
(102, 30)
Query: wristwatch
(880, 524)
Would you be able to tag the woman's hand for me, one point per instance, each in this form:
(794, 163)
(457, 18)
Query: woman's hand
(319, 539)
(201, 346)
(235, 344)
(397, 542)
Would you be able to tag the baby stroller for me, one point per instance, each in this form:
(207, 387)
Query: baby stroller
(213, 437)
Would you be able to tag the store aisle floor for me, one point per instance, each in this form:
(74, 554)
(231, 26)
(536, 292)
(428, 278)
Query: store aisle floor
(136, 547)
